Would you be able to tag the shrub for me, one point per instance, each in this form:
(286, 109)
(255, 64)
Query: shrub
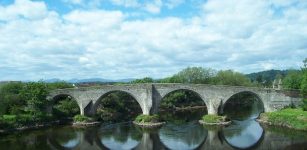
(81, 118)
(8, 121)
(147, 118)
(25, 119)
(305, 104)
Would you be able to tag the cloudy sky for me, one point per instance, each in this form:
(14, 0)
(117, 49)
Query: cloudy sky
(117, 39)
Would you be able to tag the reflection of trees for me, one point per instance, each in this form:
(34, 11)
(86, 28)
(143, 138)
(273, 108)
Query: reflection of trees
(64, 138)
(243, 106)
(190, 134)
(61, 136)
(121, 133)
(25, 141)
(179, 117)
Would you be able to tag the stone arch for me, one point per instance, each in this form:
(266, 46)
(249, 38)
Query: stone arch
(55, 98)
(184, 89)
(221, 107)
(98, 101)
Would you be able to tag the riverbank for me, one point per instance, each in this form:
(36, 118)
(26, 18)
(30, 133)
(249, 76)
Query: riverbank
(34, 127)
(289, 118)
(77, 121)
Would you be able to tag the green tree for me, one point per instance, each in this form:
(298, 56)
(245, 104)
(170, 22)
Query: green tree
(144, 80)
(195, 75)
(66, 108)
(293, 80)
(230, 77)
(181, 98)
(35, 94)
(10, 99)
(59, 85)
(304, 84)
(118, 105)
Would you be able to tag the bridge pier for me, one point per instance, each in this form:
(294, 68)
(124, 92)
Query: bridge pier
(213, 105)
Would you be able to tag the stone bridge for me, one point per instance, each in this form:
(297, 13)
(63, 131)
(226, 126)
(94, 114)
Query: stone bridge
(149, 96)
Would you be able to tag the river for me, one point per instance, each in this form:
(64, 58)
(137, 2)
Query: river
(182, 132)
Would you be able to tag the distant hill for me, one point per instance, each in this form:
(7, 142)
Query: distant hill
(268, 75)
(89, 80)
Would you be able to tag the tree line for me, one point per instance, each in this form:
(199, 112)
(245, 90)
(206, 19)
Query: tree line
(23, 103)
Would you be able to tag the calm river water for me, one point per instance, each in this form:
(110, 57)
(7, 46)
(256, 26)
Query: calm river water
(182, 132)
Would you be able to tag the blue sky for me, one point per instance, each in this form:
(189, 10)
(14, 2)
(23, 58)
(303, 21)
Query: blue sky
(117, 39)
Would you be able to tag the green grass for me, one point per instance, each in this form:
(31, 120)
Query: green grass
(213, 118)
(81, 118)
(147, 118)
(292, 118)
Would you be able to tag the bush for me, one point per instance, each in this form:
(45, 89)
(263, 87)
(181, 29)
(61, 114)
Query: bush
(66, 108)
(9, 118)
(213, 118)
(305, 104)
(147, 118)
(25, 119)
(81, 118)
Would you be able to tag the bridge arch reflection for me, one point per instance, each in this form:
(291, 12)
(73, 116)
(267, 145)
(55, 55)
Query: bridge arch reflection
(68, 140)
(243, 134)
(184, 136)
(240, 135)
(119, 136)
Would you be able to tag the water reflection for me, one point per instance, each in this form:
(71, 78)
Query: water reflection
(243, 134)
(188, 135)
(65, 138)
(120, 136)
(183, 136)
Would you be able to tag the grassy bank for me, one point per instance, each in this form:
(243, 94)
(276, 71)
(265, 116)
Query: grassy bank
(291, 118)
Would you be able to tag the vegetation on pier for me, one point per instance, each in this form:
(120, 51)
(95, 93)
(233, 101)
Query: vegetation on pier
(214, 120)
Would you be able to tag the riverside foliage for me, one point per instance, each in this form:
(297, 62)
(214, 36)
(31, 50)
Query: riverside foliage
(25, 103)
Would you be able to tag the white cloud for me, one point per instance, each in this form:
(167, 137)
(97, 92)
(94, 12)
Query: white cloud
(23, 9)
(75, 2)
(246, 36)
(126, 3)
(170, 4)
(153, 6)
